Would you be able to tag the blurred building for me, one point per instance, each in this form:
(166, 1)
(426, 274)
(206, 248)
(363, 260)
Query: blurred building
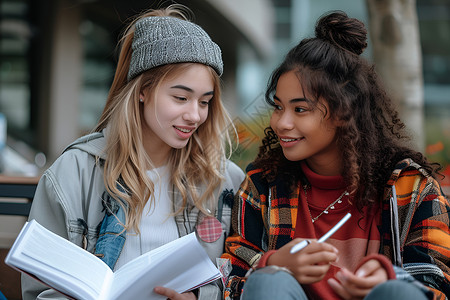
(57, 61)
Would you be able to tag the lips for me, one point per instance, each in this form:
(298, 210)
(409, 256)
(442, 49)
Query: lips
(185, 130)
(288, 139)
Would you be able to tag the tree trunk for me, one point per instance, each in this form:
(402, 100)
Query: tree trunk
(394, 33)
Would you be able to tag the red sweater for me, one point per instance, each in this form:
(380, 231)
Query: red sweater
(356, 239)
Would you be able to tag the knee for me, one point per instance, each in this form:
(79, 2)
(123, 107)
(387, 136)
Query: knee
(271, 275)
(396, 289)
(271, 283)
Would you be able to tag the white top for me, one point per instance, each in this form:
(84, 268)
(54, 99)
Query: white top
(157, 225)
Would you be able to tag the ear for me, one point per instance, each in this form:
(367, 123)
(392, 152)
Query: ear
(338, 122)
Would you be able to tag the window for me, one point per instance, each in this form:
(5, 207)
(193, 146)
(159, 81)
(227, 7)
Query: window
(98, 71)
(15, 35)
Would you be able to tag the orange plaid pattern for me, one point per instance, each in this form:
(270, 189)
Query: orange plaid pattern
(423, 213)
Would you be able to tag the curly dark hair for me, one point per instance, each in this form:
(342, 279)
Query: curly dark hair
(371, 135)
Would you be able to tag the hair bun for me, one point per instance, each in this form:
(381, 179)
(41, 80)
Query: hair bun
(342, 31)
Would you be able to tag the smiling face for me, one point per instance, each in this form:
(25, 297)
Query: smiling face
(304, 130)
(173, 112)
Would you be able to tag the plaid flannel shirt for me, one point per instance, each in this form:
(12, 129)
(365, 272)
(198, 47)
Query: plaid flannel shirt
(263, 213)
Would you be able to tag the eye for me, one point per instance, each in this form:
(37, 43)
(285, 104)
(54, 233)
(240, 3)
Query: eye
(300, 109)
(277, 107)
(204, 103)
(180, 98)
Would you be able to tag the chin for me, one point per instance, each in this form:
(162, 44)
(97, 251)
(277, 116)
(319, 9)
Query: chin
(291, 156)
(178, 145)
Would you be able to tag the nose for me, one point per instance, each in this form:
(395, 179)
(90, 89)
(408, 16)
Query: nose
(192, 113)
(282, 121)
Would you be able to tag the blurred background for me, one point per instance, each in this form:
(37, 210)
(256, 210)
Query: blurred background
(57, 61)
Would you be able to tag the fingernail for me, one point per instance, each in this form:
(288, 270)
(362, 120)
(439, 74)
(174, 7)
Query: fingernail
(345, 272)
(360, 273)
(340, 275)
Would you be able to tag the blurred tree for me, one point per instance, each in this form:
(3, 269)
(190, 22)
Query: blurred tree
(394, 32)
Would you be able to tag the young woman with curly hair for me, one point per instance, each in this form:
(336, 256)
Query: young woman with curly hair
(335, 146)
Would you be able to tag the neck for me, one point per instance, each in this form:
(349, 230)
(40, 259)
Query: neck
(159, 157)
(326, 168)
(329, 169)
(327, 182)
(159, 160)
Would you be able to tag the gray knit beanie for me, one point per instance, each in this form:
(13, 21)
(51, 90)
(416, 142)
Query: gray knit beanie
(165, 40)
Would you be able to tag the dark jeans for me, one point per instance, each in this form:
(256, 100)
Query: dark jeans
(269, 283)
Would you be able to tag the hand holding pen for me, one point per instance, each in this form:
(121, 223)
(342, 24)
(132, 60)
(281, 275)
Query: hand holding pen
(312, 264)
(305, 243)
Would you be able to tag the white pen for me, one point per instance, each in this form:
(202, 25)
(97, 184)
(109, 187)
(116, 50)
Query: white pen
(305, 243)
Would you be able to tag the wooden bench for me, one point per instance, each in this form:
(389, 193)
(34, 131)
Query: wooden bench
(18, 188)
(16, 195)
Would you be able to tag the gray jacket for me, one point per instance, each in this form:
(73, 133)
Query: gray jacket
(68, 201)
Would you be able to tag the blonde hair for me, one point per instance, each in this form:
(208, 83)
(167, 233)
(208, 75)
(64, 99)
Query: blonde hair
(199, 163)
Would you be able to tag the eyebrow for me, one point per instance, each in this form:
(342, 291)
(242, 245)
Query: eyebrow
(188, 89)
(295, 100)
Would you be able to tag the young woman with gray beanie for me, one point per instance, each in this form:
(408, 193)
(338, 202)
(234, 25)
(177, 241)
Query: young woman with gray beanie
(155, 166)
